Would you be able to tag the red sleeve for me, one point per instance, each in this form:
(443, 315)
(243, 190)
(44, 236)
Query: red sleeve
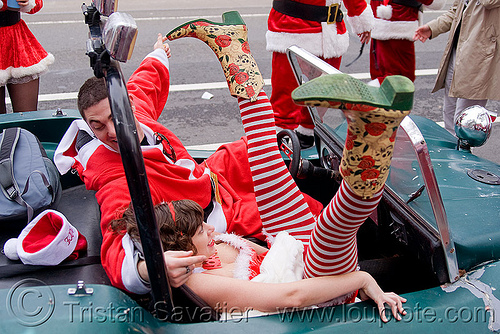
(105, 175)
(355, 7)
(112, 255)
(149, 86)
(33, 6)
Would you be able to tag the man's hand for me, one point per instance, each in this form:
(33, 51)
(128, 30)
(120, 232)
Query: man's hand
(423, 33)
(180, 265)
(364, 37)
(160, 44)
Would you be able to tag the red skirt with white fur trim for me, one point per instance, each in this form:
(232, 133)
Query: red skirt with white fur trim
(23, 58)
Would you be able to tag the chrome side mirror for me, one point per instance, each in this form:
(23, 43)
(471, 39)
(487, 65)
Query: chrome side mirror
(119, 35)
(106, 7)
(473, 126)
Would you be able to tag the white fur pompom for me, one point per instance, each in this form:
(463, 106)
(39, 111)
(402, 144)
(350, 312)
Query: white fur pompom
(10, 249)
(384, 12)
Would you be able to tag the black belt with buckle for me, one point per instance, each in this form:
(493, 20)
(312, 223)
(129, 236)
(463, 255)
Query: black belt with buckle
(9, 18)
(329, 14)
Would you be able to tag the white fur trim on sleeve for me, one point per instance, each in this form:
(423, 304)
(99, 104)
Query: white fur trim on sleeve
(1, 4)
(436, 5)
(385, 30)
(161, 56)
(362, 22)
(30, 6)
(130, 276)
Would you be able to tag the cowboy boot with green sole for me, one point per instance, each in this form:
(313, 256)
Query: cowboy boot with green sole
(230, 43)
(373, 116)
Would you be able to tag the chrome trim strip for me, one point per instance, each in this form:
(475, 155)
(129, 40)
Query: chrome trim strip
(425, 163)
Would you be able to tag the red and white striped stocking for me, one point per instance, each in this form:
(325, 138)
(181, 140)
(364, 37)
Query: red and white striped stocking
(331, 248)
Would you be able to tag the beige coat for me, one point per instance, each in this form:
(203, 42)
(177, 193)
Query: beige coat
(477, 66)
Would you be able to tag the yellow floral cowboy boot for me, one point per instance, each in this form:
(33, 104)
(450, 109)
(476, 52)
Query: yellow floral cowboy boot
(373, 117)
(229, 42)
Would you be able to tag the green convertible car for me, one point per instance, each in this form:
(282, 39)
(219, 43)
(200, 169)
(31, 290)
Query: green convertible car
(434, 238)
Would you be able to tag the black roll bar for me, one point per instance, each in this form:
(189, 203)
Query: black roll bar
(133, 164)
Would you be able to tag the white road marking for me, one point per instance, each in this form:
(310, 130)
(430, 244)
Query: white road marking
(202, 86)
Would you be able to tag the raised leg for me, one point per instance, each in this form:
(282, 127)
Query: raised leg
(373, 116)
(281, 204)
(230, 43)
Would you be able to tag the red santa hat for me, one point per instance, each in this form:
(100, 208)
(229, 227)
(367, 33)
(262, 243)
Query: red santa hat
(47, 240)
(384, 11)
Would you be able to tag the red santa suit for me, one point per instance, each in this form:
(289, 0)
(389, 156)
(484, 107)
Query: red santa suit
(328, 41)
(392, 51)
(170, 178)
(22, 58)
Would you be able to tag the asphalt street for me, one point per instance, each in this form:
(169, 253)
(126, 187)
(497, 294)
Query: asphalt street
(195, 70)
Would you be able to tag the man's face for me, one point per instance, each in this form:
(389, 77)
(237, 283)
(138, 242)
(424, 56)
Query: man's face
(99, 119)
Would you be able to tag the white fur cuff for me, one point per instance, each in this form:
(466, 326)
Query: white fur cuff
(30, 6)
(385, 30)
(362, 22)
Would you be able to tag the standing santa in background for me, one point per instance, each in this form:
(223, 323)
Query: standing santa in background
(317, 26)
(22, 59)
(392, 51)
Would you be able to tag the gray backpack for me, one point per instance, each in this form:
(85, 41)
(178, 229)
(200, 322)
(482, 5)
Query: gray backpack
(29, 180)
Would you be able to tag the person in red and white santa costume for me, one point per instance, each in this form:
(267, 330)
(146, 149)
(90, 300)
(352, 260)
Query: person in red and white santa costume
(22, 59)
(308, 24)
(90, 147)
(392, 51)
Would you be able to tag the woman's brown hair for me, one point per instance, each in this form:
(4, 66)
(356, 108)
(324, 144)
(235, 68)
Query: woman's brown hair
(174, 235)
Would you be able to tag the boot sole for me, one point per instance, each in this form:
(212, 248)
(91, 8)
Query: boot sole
(395, 92)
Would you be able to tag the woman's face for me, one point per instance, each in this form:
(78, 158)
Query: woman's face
(203, 241)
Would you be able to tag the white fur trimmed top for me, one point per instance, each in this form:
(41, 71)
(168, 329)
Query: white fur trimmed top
(283, 262)
(245, 256)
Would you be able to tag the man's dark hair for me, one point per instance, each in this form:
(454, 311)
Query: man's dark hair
(91, 93)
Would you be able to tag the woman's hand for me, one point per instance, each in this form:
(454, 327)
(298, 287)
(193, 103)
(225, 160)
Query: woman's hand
(374, 292)
(23, 3)
(160, 44)
(422, 33)
(180, 265)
